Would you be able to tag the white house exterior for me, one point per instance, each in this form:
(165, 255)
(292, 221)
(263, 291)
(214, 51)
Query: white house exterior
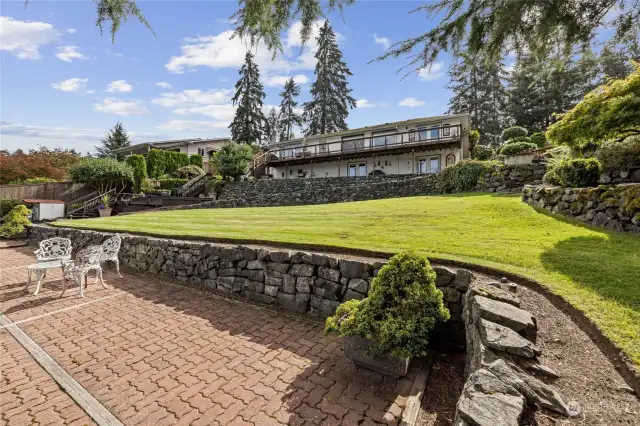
(204, 147)
(423, 145)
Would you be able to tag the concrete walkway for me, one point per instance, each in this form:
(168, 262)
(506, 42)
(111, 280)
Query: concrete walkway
(155, 353)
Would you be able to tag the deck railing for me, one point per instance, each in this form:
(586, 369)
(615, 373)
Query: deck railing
(423, 136)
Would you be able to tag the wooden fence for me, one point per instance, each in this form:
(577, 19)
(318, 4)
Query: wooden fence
(65, 191)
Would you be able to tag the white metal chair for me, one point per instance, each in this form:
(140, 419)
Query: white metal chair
(110, 250)
(56, 248)
(87, 260)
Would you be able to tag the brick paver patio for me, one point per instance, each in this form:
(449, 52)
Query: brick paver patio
(157, 353)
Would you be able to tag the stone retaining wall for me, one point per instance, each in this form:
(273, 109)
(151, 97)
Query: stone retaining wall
(614, 207)
(296, 281)
(501, 356)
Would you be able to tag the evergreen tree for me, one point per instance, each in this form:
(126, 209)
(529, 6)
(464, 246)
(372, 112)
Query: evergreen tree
(272, 127)
(288, 119)
(115, 138)
(478, 89)
(331, 100)
(249, 124)
(616, 57)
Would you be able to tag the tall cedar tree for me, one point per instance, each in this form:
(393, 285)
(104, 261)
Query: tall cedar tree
(116, 138)
(535, 94)
(616, 57)
(478, 89)
(288, 119)
(249, 124)
(272, 127)
(331, 100)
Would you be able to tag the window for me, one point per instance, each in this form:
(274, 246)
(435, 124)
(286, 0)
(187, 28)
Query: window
(429, 164)
(352, 143)
(422, 133)
(356, 169)
(383, 138)
(201, 151)
(451, 159)
(446, 130)
(434, 132)
(412, 135)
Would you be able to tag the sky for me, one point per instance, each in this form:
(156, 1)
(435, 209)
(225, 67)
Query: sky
(62, 84)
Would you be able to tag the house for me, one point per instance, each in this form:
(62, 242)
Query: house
(204, 147)
(417, 146)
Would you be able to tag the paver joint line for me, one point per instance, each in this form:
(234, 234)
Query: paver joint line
(80, 395)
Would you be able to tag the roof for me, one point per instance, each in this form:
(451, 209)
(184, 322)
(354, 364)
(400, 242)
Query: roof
(170, 143)
(39, 201)
(372, 128)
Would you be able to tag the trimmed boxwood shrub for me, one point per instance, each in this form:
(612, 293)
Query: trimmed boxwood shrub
(483, 152)
(15, 221)
(513, 132)
(540, 139)
(513, 148)
(402, 308)
(616, 157)
(196, 160)
(576, 173)
(463, 176)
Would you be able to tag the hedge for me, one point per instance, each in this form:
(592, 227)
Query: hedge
(160, 163)
(577, 173)
(196, 160)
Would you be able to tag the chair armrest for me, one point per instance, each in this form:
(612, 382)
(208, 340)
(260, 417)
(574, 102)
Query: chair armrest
(38, 254)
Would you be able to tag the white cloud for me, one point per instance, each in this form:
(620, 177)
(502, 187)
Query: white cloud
(280, 80)
(214, 103)
(24, 39)
(163, 84)
(69, 53)
(223, 51)
(121, 107)
(71, 85)
(71, 31)
(431, 73)
(382, 41)
(90, 92)
(194, 126)
(120, 86)
(411, 102)
(364, 103)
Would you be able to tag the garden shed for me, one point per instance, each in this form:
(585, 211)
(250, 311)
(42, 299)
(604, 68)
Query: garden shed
(45, 209)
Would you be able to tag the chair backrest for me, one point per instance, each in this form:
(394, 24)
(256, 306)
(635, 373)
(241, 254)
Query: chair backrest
(55, 247)
(88, 258)
(111, 247)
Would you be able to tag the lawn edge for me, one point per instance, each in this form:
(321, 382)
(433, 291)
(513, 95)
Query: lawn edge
(614, 353)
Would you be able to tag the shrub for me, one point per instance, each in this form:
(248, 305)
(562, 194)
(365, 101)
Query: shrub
(189, 172)
(156, 163)
(196, 160)
(15, 221)
(474, 138)
(516, 147)
(139, 166)
(513, 132)
(540, 139)
(620, 156)
(576, 173)
(171, 183)
(20, 166)
(402, 308)
(6, 204)
(233, 160)
(214, 186)
(33, 180)
(463, 176)
(102, 174)
(483, 152)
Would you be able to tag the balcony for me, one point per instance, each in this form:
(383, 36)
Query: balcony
(353, 147)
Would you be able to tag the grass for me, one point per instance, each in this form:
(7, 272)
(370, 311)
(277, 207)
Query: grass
(596, 270)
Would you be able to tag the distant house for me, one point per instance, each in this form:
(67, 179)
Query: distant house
(204, 147)
(423, 145)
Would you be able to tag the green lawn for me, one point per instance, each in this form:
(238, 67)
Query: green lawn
(596, 270)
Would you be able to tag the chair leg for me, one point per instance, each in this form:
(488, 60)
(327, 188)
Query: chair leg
(79, 280)
(117, 261)
(28, 279)
(64, 282)
(39, 281)
(99, 275)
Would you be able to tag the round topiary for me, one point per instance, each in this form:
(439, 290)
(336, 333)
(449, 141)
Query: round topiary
(402, 308)
(513, 148)
(513, 132)
(483, 152)
(540, 139)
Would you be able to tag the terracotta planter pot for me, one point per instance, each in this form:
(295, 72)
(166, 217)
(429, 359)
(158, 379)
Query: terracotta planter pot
(355, 349)
(105, 212)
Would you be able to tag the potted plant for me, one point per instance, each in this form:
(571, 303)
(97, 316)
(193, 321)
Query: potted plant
(106, 205)
(391, 325)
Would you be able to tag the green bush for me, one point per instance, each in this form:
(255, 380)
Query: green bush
(139, 166)
(576, 173)
(15, 221)
(513, 132)
(620, 156)
(156, 163)
(540, 139)
(483, 152)
(102, 174)
(214, 186)
(516, 147)
(233, 160)
(463, 176)
(474, 138)
(175, 160)
(189, 172)
(6, 204)
(32, 180)
(402, 308)
(196, 160)
(171, 183)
